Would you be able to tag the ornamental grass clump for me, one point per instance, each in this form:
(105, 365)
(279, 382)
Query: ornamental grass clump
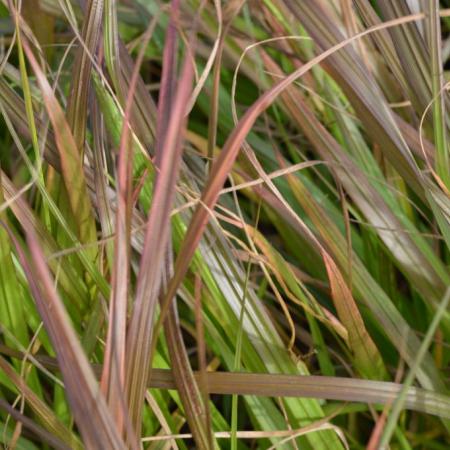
(224, 225)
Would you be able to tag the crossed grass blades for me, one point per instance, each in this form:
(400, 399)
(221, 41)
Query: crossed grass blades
(224, 224)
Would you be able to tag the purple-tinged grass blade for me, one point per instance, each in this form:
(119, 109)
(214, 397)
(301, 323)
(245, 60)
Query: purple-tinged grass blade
(170, 139)
(89, 408)
(224, 162)
(113, 377)
(70, 160)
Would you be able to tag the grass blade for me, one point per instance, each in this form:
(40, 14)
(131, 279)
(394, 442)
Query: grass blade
(70, 159)
(81, 387)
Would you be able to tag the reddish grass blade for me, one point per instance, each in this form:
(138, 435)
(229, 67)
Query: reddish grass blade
(230, 150)
(168, 85)
(70, 159)
(113, 378)
(193, 404)
(367, 357)
(95, 424)
(157, 237)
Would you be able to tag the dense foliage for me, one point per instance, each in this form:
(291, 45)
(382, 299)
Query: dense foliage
(224, 224)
